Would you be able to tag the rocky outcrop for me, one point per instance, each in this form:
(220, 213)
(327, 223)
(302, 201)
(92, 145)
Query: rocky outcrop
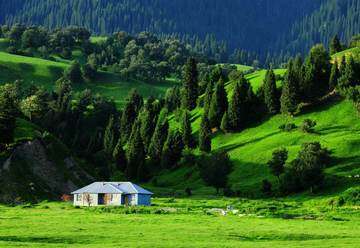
(36, 170)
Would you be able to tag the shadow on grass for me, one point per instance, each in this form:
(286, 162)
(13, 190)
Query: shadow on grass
(228, 148)
(284, 237)
(46, 240)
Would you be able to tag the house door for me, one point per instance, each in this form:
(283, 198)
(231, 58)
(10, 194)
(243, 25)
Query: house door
(101, 199)
(125, 200)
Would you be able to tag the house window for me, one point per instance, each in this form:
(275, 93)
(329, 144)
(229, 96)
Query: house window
(78, 197)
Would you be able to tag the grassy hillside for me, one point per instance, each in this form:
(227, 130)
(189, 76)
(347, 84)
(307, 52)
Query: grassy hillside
(45, 72)
(338, 129)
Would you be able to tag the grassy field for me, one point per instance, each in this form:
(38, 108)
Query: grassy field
(45, 72)
(181, 223)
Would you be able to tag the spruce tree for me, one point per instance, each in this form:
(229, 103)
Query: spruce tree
(147, 126)
(270, 92)
(225, 125)
(119, 156)
(135, 153)
(190, 84)
(205, 135)
(289, 96)
(317, 73)
(109, 137)
(158, 139)
(349, 79)
(172, 150)
(218, 105)
(334, 76)
(335, 45)
(207, 98)
(129, 114)
(240, 105)
(186, 130)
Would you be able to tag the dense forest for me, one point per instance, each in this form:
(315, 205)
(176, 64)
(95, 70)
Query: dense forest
(232, 37)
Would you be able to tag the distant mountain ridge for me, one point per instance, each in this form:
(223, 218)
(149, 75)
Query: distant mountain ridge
(278, 27)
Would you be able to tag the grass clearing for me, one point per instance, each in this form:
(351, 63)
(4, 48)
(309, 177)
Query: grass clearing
(173, 223)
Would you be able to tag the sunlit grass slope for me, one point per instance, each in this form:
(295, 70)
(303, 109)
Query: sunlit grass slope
(338, 129)
(44, 73)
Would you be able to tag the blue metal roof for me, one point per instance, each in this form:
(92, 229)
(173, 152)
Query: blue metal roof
(113, 188)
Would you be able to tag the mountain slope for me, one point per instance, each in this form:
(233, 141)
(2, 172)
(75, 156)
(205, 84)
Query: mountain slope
(245, 23)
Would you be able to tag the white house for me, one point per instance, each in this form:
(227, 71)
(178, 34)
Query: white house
(113, 194)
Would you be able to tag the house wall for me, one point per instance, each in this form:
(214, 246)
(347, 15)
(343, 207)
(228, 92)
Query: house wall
(116, 200)
(84, 200)
(144, 200)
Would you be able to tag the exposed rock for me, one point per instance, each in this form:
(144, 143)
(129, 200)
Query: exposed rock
(30, 173)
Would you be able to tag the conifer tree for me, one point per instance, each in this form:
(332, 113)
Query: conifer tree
(219, 104)
(147, 119)
(335, 45)
(119, 156)
(158, 139)
(270, 92)
(225, 125)
(186, 130)
(190, 84)
(317, 73)
(109, 137)
(334, 76)
(129, 114)
(135, 153)
(289, 96)
(207, 98)
(349, 79)
(172, 150)
(342, 66)
(205, 135)
(240, 105)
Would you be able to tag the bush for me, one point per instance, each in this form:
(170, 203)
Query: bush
(287, 127)
(308, 126)
(352, 196)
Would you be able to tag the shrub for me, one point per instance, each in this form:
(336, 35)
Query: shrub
(308, 126)
(287, 127)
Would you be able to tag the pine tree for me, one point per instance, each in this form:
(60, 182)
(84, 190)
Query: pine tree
(239, 112)
(158, 139)
(289, 96)
(129, 114)
(186, 130)
(270, 93)
(119, 156)
(225, 125)
(205, 135)
(335, 45)
(317, 73)
(207, 98)
(147, 118)
(190, 84)
(219, 104)
(334, 76)
(349, 79)
(109, 137)
(135, 153)
(172, 150)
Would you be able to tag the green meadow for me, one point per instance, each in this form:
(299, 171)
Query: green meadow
(190, 222)
(44, 73)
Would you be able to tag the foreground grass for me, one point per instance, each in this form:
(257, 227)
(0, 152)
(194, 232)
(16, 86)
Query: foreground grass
(170, 223)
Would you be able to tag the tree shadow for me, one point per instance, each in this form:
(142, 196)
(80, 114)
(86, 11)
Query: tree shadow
(230, 147)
